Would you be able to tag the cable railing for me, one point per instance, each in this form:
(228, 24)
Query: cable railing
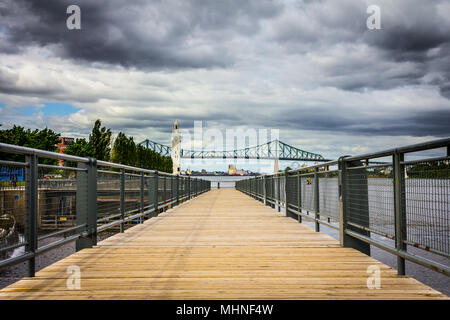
(43, 206)
(382, 199)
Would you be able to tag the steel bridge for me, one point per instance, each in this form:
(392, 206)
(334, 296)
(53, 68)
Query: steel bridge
(275, 150)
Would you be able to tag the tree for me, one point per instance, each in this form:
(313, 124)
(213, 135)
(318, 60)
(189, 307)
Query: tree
(45, 139)
(98, 146)
(124, 150)
(80, 148)
(100, 140)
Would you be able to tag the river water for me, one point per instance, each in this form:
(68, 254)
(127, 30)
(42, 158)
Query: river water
(224, 181)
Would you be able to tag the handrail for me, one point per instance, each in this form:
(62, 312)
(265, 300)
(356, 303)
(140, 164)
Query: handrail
(157, 191)
(356, 215)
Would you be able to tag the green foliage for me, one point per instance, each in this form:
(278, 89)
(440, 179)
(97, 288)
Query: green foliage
(100, 140)
(45, 139)
(79, 147)
(436, 169)
(125, 151)
(98, 146)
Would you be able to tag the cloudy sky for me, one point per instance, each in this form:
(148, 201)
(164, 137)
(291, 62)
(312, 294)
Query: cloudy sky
(311, 69)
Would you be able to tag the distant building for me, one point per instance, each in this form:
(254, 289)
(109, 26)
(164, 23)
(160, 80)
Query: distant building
(203, 171)
(63, 143)
(232, 169)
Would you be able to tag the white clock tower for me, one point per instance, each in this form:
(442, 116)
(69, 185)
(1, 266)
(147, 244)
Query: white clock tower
(176, 148)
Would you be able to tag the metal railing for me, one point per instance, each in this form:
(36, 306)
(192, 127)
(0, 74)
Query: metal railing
(91, 196)
(381, 199)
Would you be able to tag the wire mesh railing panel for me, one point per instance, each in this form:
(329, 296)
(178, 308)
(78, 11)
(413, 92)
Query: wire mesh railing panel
(132, 193)
(108, 196)
(307, 192)
(292, 190)
(381, 201)
(13, 208)
(268, 188)
(148, 185)
(169, 183)
(427, 196)
(282, 188)
(57, 204)
(329, 195)
(56, 199)
(277, 188)
(161, 191)
(182, 189)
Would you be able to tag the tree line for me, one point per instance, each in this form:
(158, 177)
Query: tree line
(99, 145)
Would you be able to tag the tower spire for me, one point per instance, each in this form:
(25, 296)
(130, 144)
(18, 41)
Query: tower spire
(176, 148)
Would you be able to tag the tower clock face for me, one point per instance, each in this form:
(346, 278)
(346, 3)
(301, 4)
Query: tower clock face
(175, 138)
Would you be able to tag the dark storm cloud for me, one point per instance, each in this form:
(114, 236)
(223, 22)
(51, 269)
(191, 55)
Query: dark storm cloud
(409, 30)
(434, 122)
(144, 34)
(422, 123)
(164, 123)
(329, 39)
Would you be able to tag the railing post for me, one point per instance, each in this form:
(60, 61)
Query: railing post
(189, 188)
(32, 210)
(347, 183)
(274, 201)
(165, 194)
(400, 209)
(182, 188)
(178, 190)
(316, 199)
(171, 192)
(286, 204)
(141, 218)
(265, 189)
(279, 192)
(122, 199)
(155, 190)
(86, 203)
(299, 197)
(341, 191)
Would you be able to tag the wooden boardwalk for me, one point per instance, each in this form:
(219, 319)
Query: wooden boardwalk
(222, 245)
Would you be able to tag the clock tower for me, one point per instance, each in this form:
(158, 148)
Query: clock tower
(176, 148)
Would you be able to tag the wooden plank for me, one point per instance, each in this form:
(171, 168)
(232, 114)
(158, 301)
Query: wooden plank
(221, 245)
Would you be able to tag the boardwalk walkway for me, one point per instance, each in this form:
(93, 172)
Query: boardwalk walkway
(222, 245)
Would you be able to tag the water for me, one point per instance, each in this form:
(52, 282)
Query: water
(225, 181)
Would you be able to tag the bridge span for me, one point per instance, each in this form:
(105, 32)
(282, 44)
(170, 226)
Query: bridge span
(220, 245)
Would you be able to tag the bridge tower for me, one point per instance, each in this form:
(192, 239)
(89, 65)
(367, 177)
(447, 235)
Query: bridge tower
(176, 148)
(275, 166)
(277, 156)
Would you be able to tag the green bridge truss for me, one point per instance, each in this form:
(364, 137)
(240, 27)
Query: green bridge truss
(271, 150)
